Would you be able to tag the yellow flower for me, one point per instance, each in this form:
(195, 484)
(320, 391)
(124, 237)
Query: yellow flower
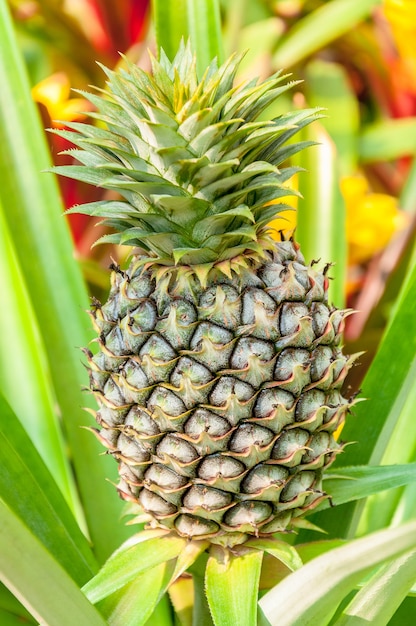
(286, 220)
(372, 218)
(54, 93)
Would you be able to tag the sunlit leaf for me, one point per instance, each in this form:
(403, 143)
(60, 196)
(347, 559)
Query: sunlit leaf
(231, 584)
(46, 589)
(338, 572)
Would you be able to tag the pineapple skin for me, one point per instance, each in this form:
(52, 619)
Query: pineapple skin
(219, 369)
(220, 402)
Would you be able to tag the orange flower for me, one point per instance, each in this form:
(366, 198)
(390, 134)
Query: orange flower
(401, 15)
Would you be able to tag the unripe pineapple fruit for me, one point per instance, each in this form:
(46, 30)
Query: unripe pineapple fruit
(219, 367)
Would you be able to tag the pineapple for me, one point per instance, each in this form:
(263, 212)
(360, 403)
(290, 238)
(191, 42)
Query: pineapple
(219, 370)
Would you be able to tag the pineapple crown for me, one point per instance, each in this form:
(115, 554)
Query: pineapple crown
(199, 172)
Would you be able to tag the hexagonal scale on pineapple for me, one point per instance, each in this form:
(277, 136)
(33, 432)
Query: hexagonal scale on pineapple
(321, 446)
(140, 422)
(253, 361)
(157, 358)
(292, 370)
(249, 436)
(209, 432)
(327, 365)
(164, 477)
(131, 450)
(142, 318)
(233, 398)
(211, 345)
(284, 284)
(275, 408)
(177, 323)
(297, 489)
(209, 498)
(191, 381)
(248, 515)
(139, 283)
(177, 448)
(221, 304)
(261, 314)
(111, 417)
(132, 474)
(295, 326)
(192, 526)
(155, 504)
(290, 447)
(223, 472)
(310, 409)
(265, 480)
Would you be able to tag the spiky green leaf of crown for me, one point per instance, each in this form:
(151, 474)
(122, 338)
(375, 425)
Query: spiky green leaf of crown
(200, 174)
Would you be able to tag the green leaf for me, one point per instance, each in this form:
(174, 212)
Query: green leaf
(328, 85)
(138, 555)
(321, 213)
(33, 209)
(134, 604)
(31, 493)
(387, 140)
(379, 598)
(281, 550)
(37, 580)
(309, 596)
(328, 22)
(24, 370)
(204, 22)
(374, 421)
(353, 483)
(231, 586)
(171, 24)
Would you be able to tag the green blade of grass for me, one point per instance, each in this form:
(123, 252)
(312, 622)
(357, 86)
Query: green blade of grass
(24, 370)
(31, 493)
(353, 483)
(231, 584)
(135, 603)
(137, 556)
(338, 572)
(321, 212)
(374, 421)
(387, 140)
(171, 24)
(205, 32)
(327, 85)
(320, 27)
(33, 210)
(37, 580)
(381, 596)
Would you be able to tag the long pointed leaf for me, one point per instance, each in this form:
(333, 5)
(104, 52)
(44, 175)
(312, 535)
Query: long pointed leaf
(319, 28)
(231, 587)
(378, 600)
(326, 580)
(130, 561)
(205, 32)
(34, 213)
(30, 492)
(37, 580)
(171, 24)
